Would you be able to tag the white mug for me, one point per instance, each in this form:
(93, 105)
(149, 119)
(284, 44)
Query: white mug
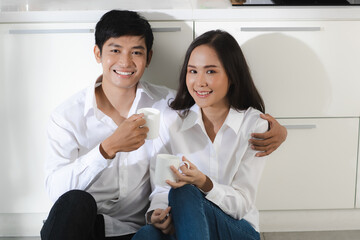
(162, 168)
(152, 117)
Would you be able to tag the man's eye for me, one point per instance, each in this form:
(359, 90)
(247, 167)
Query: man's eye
(137, 53)
(114, 50)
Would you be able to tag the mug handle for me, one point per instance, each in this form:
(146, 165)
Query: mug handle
(185, 163)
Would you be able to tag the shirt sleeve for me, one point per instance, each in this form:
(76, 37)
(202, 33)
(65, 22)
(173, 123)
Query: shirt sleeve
(238, 198)
(65, 169)
(159, 196)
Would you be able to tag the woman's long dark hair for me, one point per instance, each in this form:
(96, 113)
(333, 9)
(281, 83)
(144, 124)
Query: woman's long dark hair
(242, 92)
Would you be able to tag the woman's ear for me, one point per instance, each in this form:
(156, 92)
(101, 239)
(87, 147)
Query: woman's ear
(97, 54)
(149, 58)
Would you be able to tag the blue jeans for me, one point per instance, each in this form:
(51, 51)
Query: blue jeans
(196, 218)
(149, 232)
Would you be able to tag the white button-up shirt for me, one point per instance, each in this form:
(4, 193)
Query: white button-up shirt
(120, 186)
(229, 161)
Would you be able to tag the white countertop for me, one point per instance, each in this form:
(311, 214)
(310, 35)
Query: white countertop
(17, 11)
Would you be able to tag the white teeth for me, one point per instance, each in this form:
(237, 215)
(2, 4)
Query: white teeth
(203, 93)
(124, 73)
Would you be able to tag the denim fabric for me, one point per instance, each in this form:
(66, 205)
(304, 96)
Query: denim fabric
(149, 232)
(197, 218)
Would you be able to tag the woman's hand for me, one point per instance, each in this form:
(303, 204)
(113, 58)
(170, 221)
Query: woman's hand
(190, 175)
(269, 141)
(161, 219)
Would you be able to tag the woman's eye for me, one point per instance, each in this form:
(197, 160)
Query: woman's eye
(210, 71)
(192, 71)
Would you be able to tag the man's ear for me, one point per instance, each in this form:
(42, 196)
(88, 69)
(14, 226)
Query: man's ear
(149, 58)
(97, 54)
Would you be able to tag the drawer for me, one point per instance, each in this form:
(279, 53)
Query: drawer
(315, 168)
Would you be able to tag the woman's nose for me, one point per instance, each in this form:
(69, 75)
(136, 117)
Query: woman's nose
(201, 81)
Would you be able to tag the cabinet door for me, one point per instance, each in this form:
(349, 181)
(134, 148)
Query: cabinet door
(315, 168)
(41, 65)
(358, 179)
(171, 39)
(301, 68)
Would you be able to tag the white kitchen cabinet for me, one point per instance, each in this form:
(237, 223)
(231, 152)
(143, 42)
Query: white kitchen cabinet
(301, 68)
(358, 178)
(41, 65)
(171, 39)
(315, 168)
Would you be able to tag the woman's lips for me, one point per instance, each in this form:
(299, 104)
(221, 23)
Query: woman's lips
(203, 93)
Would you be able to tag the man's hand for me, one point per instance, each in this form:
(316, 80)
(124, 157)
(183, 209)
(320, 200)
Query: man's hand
(269, 141)
(161, 219)
(129, 136)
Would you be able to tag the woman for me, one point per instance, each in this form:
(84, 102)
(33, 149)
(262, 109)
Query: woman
(217, 108)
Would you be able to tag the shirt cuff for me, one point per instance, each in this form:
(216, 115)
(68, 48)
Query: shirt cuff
(94, 159)
(216, 194)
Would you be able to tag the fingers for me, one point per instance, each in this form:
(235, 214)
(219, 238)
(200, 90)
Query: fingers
(137, 120)
(162, 220)
(264, 135)
(267, 117)
(159, 215)
(175, 184)
(136, 124)
(260, 143)
(187, 165)
(263, 154)
(181, 176)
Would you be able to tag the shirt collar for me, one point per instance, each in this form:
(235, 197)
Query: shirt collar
(143, 86)
(90, 102)
(193, 118)
(233, 120)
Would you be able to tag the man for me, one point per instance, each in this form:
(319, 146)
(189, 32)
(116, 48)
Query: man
(97, 170)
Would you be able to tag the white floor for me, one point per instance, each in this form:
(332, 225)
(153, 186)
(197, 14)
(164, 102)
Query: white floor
(329, 235)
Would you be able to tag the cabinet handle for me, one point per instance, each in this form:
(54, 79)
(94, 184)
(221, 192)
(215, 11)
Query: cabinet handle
(279, 29)
(49, 31)
(303, 126)
(166, 29)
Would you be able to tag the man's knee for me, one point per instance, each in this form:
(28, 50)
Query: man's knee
(76, 198)
(74, 212)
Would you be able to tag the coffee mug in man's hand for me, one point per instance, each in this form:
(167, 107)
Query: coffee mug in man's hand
(152, 118)
(162, 168)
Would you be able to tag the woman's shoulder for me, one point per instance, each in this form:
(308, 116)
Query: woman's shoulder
(252, 118)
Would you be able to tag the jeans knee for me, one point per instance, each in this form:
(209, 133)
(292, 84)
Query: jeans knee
(188, 192)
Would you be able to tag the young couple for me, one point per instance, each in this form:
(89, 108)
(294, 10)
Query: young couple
(97, 172)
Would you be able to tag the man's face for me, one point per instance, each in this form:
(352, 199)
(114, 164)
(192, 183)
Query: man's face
(123, 60)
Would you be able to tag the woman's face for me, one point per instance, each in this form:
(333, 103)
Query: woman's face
(206, 78)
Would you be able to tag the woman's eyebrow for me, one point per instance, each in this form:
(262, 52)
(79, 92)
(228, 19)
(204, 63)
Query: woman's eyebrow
(206, 66)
